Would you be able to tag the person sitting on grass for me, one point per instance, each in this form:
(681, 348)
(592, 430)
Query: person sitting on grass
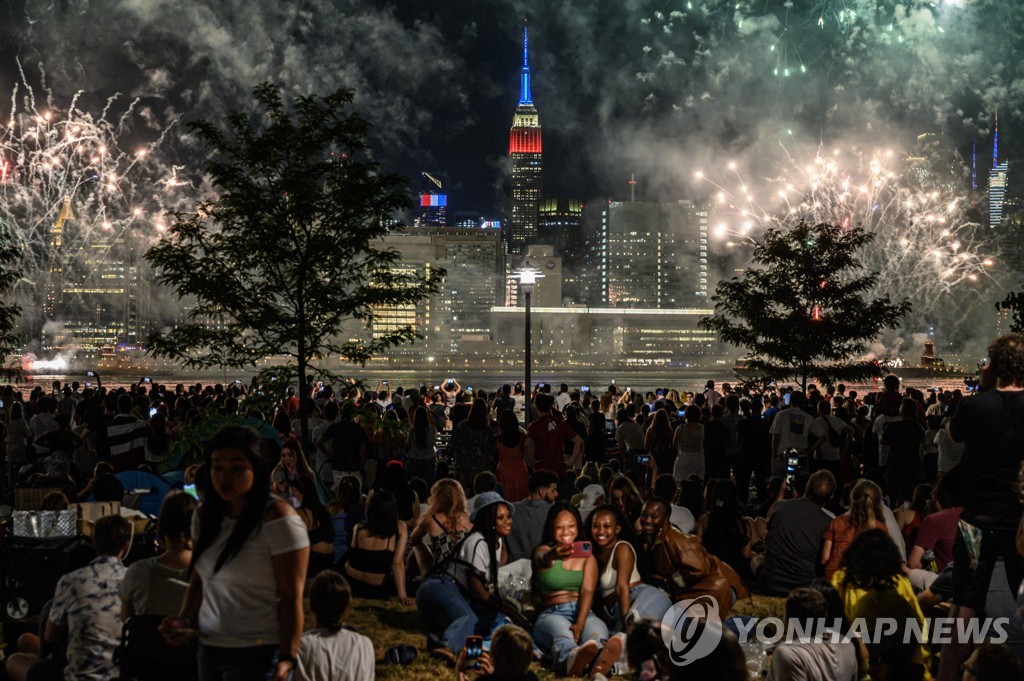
(461, 596)
(509, 658)
(376, 561)
(156, 586)
(86, 612)
(565, 582)
(329, 652)
(677, 558)
(872, 585)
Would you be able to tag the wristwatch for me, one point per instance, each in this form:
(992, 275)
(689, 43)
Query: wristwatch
(290, 659)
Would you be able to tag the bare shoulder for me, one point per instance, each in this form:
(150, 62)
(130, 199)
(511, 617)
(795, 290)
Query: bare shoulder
(278, 509)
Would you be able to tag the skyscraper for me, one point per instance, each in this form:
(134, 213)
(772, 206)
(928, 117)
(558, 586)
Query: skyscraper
(996, 182)
(652, 255)
(524, 150)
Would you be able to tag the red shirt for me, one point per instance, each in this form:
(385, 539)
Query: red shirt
(937, 533)
(550, 436)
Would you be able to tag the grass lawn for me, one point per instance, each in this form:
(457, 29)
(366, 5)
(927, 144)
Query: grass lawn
(388, 623)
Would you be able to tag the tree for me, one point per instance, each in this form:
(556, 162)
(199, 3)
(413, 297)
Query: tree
(803, 309)
(10, 273)
(287, 250)
(1014, 304)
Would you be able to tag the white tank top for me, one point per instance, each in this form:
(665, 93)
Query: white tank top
(606, 582)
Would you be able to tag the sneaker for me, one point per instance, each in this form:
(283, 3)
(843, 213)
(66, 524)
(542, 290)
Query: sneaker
(609, 656)
(581, 658)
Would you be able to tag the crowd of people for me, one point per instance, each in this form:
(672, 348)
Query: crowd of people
(552, 524)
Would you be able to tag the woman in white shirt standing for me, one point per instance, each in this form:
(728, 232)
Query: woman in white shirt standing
(249, 546)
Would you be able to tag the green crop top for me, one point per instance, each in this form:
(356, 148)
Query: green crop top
(557, 578)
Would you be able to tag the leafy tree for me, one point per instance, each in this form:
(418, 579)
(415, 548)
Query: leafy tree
(9, 313)
(803, 309)
(286, 252)
(1014, 303)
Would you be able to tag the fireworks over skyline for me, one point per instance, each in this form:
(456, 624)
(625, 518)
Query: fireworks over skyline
(927, 246)
(652, 87)
(71, 190)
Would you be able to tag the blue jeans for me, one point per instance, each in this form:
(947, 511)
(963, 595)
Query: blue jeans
(553, 631)
(449, 615)
(646, 603)
(255, 663)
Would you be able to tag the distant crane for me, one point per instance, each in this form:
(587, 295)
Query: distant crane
(432, 179)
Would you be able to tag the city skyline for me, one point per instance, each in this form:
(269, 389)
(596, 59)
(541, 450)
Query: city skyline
(655, 91)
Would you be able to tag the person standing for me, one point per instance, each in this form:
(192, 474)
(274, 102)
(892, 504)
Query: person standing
(904, 439)
(513, 455)
(549, 436)
(790, 429)
(421, 450)
(250, 547)
(991, 426)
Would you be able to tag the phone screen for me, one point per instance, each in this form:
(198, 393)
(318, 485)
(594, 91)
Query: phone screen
(190, 489)
(152, 412)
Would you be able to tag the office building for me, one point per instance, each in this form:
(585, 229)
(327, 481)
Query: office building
(997, 177)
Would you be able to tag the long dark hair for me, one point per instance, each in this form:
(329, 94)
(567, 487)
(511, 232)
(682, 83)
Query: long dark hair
(382, 515)
(547, 536)
(486, 524)
(420, 425)
(212, 510)
(726, 524)
(477, 418)
(511, 436)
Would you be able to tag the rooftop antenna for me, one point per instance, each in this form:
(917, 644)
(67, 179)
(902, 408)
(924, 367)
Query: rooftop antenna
(632, 187)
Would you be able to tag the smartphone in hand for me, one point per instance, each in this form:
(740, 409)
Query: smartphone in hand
(581, 549)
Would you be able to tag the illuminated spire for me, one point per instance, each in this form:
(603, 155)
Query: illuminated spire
(995, 144)
(524, 96)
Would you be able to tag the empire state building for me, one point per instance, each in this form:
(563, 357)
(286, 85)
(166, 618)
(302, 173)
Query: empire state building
(524, 147)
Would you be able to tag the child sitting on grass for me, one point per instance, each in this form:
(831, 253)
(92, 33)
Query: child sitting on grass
(329, 652)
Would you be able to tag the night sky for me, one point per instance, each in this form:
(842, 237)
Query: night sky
(660, 88)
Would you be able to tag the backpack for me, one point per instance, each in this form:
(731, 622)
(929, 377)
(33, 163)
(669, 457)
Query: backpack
(835, 438)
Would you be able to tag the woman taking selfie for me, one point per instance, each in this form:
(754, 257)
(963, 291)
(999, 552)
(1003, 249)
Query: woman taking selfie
(565, 578)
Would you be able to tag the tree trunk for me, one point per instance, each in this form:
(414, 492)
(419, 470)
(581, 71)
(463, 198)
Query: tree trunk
(303, 392)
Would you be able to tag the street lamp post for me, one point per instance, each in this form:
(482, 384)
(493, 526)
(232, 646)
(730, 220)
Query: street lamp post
(528, 276)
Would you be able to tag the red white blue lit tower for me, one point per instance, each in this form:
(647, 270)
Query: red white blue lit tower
(524, 147)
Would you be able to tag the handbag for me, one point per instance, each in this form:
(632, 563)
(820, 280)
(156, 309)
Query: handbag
(43, 524)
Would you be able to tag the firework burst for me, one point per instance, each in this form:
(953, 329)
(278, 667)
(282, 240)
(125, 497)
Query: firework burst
(82, 203)
(927, 247)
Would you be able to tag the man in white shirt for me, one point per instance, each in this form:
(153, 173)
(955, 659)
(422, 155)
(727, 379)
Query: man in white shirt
(790, 429)
(563, 398)
(711, 396)
(830, 438)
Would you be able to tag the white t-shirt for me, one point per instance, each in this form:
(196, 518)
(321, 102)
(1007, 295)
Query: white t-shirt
(819, 427)
(950, 451)
(878, 428)
(340, 656)
(814, 661)
(682, 519)
(474, 557)
(240, 605)
(562, 401)
(792, 425)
